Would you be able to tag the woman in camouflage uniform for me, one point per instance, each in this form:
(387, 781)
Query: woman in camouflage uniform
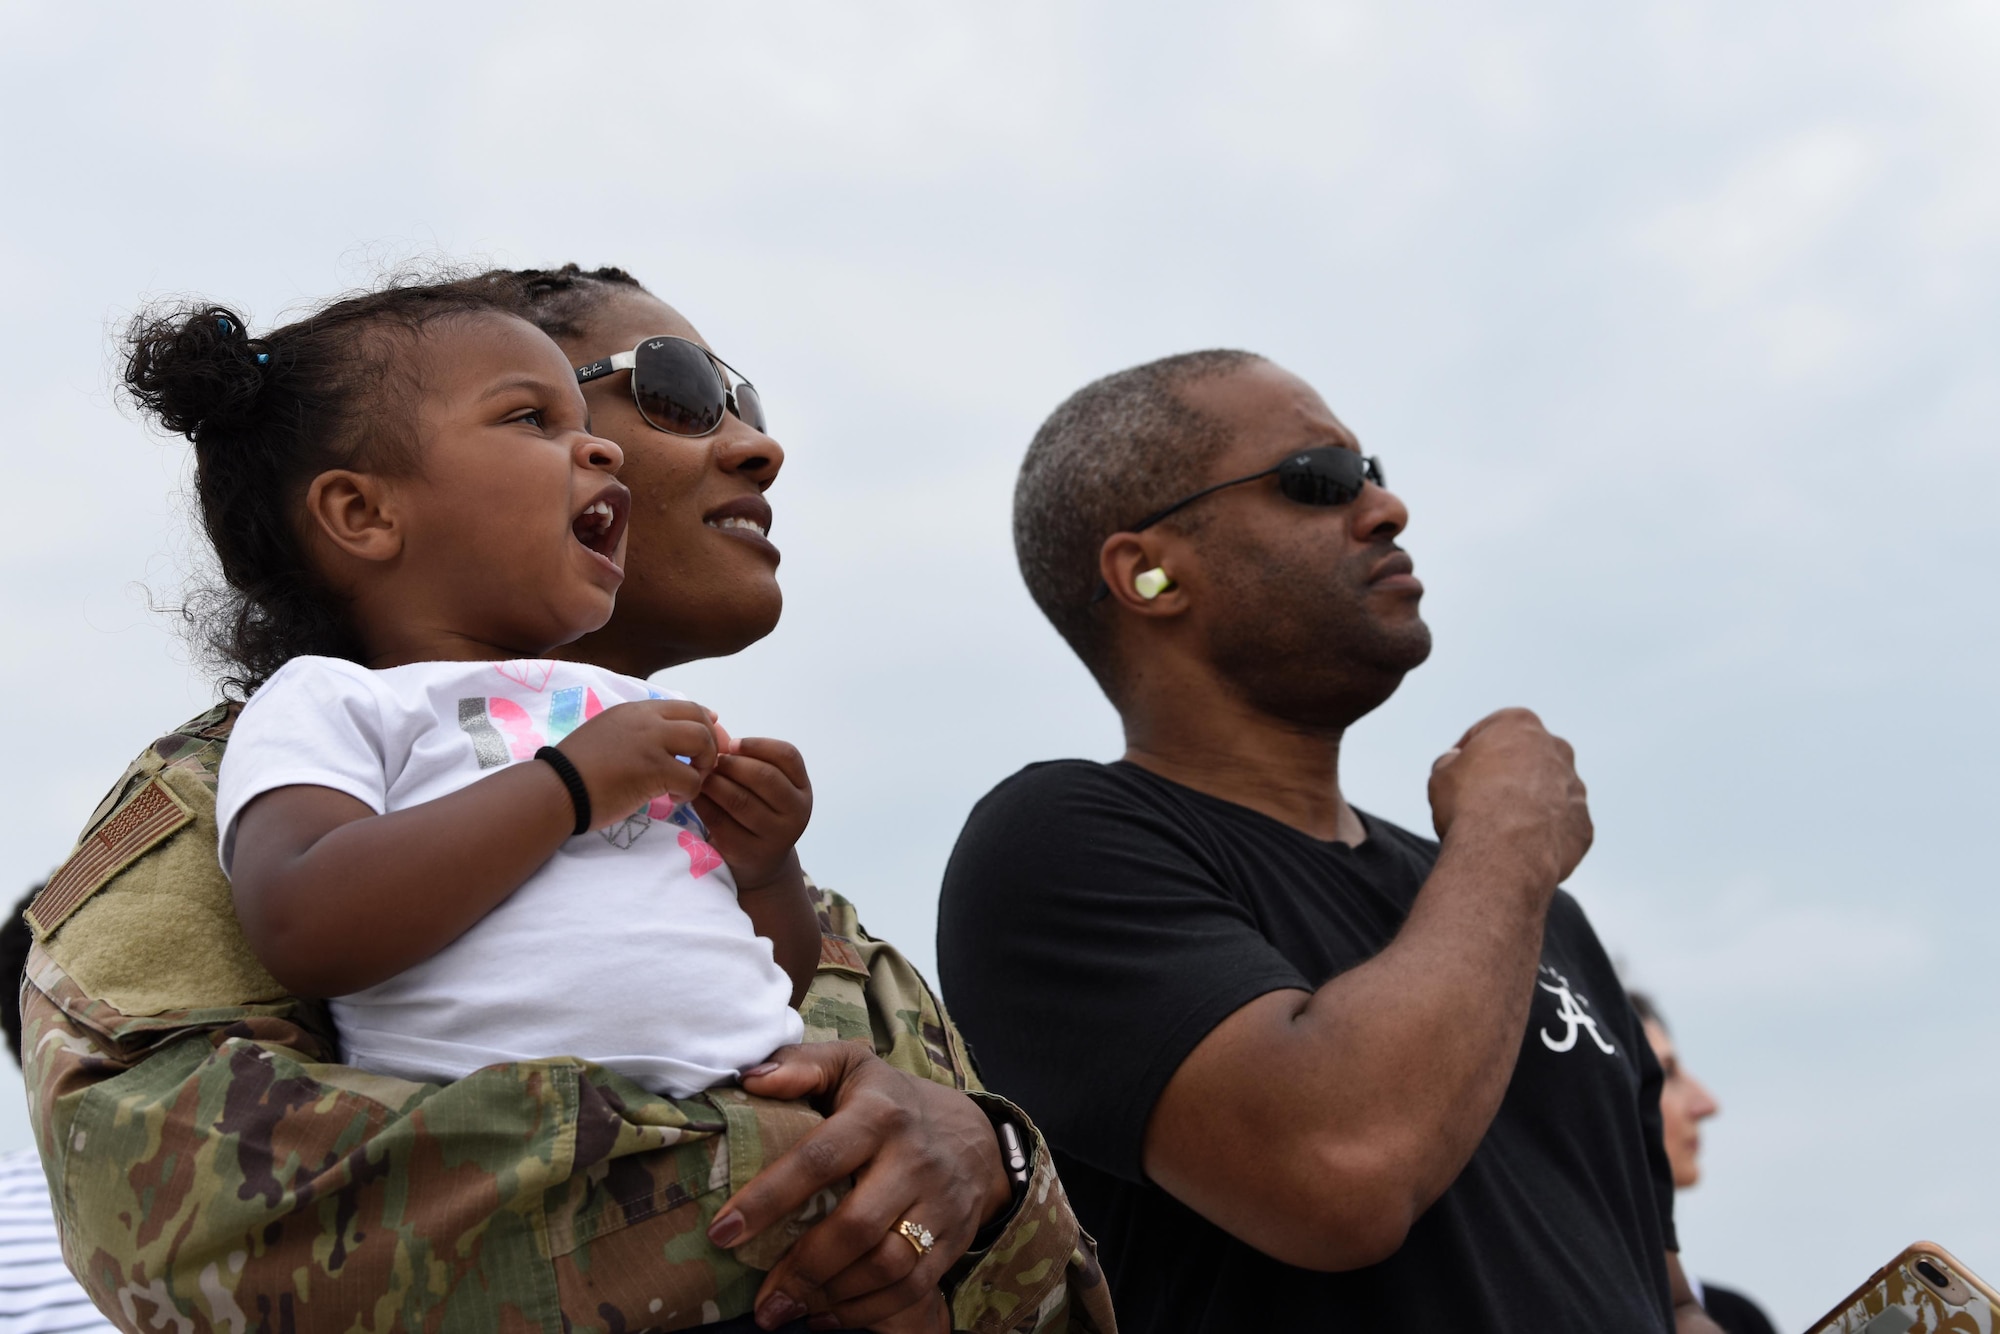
(214, 1168)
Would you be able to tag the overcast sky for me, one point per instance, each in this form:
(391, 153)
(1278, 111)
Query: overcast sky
(1675, 325)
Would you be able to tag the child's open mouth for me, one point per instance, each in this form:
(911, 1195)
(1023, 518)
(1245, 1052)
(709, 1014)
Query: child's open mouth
(601, 525)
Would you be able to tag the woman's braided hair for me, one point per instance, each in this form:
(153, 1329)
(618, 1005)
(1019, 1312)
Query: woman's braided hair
(558, 301)
(266, 415)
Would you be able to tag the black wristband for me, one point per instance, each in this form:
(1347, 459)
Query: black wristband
(579, 796)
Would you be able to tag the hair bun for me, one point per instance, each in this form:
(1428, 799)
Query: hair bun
(194, 368)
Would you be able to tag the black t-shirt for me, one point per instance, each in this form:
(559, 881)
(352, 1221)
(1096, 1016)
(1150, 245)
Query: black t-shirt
(1098, 921)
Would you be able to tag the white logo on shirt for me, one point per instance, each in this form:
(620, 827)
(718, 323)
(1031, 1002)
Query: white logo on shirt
(1572, 1014)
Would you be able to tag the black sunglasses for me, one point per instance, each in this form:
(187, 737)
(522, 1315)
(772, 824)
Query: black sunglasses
(1324, 475)
(681, 387)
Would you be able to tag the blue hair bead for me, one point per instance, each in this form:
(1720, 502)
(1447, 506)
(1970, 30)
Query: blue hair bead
(263, 358)
(224, 325)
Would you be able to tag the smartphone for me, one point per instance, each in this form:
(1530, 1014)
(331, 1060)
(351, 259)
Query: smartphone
(1925, 1290)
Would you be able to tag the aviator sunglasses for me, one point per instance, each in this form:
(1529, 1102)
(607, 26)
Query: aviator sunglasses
(681, 387)
(1325, 475)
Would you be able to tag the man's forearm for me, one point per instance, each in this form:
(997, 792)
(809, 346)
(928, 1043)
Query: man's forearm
(1347, 1111)
(1425, 1035)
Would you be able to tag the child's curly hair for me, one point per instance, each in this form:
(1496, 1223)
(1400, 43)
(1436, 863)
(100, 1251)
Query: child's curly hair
(266, 415)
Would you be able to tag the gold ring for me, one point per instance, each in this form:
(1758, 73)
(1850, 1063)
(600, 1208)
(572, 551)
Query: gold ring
(917, 1235)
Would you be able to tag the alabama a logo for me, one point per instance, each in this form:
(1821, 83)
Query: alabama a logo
(1573, 1013)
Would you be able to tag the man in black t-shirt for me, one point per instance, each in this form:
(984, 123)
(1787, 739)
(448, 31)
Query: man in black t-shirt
(1303, 1070)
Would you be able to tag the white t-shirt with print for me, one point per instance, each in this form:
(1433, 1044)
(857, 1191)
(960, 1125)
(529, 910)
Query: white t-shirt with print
(626, 948)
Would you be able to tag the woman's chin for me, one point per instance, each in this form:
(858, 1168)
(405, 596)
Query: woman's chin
(735, 628)
(640, 641)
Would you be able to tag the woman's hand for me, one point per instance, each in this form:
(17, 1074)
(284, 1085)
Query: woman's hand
(917, 1150)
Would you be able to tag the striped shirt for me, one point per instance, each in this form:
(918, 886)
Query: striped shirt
(37, 1294)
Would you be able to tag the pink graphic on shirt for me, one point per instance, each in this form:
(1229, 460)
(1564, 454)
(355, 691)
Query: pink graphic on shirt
(701, 857)
(661, 807)
(531, 672)
(515, 724)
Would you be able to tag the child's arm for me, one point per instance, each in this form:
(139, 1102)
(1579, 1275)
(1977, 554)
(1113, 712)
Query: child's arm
(756, 804)
(334, 897)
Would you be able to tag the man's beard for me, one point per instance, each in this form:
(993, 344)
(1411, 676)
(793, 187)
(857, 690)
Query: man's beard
(1299, 643)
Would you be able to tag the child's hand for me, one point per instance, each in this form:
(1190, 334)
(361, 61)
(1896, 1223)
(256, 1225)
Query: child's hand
(756, 804)
(631, 753)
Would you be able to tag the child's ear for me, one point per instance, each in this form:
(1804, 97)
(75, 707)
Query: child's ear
(356, 512)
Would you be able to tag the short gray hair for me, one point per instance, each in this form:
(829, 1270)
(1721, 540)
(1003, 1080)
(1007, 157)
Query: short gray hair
(1116, 450)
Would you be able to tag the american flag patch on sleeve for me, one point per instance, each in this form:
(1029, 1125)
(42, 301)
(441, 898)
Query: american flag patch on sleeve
(148, 816)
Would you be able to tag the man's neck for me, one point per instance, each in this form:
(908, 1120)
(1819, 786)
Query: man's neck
(1232, 752)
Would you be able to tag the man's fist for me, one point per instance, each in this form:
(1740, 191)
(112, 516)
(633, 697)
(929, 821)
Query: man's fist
(1510, 779)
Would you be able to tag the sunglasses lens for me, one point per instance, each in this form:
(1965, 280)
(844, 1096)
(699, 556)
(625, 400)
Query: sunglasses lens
(749, 405)
(677, 388)
(1322, 476)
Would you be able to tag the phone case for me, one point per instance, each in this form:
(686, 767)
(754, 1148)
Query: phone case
(1897, 1300)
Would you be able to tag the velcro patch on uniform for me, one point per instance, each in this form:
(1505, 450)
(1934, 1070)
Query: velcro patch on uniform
(147, 817)
(839, 954)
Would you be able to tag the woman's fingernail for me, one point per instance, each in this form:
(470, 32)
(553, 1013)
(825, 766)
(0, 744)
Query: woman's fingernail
(777, 1309)
(725, 1230)
(759, 1071)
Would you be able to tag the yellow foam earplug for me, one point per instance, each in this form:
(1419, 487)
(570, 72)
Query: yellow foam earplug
(1152, 583)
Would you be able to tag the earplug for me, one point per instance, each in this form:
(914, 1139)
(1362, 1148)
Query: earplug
(1152, 583)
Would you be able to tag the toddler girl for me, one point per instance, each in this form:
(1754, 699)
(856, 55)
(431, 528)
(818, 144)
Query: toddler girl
(468, 846)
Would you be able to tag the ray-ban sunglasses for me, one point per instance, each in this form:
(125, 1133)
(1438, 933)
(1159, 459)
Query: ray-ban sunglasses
(1324, 475)
(681, 387)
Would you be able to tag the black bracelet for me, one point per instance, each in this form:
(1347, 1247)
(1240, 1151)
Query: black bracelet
(579, 796)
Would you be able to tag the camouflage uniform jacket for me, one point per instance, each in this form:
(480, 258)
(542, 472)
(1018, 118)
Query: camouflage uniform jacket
(213, 1168)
